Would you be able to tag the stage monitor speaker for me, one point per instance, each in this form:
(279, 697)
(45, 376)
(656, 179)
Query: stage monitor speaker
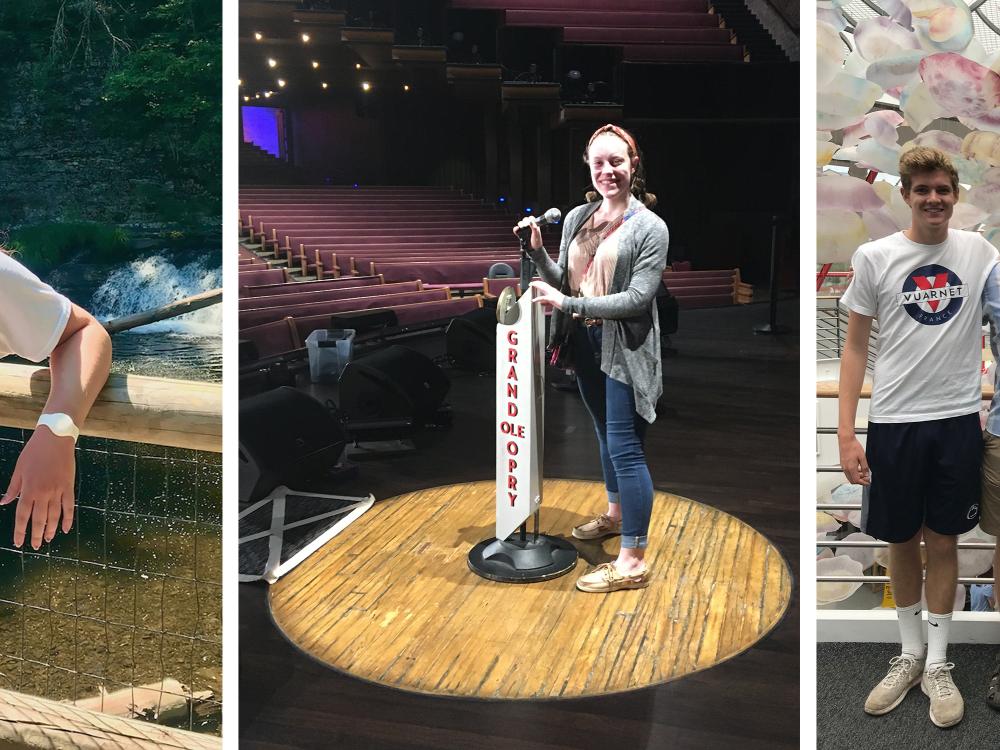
(471, 341)
(286, 438)
(395, 383)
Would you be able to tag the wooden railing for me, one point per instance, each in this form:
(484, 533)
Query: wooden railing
(159, 411)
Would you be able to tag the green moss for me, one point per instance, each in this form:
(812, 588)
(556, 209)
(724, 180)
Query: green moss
(49, 244)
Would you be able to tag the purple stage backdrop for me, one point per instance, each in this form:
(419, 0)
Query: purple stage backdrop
(262, 127)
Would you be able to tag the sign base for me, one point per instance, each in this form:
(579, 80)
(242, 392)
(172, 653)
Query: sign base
(529, 559)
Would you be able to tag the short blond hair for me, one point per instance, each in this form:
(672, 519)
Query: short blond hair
(923, 159)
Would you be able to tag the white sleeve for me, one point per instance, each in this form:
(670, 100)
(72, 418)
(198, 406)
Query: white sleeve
(32, 314)
(861, 296)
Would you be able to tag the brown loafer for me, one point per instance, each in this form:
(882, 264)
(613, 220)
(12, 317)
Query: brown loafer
(598, 528)
(605, 578)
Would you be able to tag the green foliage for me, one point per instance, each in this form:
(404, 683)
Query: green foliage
(47, 245)
(141, 76)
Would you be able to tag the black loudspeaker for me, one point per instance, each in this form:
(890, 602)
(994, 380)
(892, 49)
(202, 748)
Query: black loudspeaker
(471, 341)
(286, 437)
(395, 383)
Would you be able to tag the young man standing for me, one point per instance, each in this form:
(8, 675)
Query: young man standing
(921, 466)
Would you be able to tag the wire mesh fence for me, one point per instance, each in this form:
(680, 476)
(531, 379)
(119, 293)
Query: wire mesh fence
(124, 613)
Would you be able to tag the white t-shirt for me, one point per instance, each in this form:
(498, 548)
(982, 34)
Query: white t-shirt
(32, 314)
(928, 301)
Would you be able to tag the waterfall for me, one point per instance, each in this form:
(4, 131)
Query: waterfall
(155, 281)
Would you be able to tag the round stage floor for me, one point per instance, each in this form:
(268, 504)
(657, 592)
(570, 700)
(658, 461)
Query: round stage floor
(391, 599)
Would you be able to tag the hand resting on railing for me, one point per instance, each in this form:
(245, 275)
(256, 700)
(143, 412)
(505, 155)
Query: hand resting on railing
(45, 472)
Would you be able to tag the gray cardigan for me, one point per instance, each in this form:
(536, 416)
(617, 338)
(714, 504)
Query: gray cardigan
(630, 302)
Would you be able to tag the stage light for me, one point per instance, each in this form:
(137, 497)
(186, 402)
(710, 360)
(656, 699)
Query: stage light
(281, 83)
(246, 98)
(406, 87)
(527, 210)
(257, 96)
(272, 63)
(324, 84)
(267, 94)
(355, 184)
(365, 86)
(315, 64)
(357, 66)
(258, 36)
(241, 81)
(306, 38)
(502, 199)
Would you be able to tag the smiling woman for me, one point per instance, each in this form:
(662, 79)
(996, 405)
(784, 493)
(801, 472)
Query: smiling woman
(603, 288)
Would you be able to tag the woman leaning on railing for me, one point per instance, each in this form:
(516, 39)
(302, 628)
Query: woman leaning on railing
(37, 322)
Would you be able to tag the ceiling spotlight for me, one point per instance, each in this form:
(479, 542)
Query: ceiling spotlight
(281, 83)
(246, 98)
(306, 38)
(271, 62)
(357, 66)
(315, 64)
(258, 36)
(267, 94)
(365, 86)
(406, 87)
(256, 96)
(324, 84)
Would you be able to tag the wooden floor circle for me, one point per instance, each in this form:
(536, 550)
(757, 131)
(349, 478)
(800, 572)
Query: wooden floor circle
(392, 600)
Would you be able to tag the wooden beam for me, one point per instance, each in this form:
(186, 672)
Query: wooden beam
(160, 411)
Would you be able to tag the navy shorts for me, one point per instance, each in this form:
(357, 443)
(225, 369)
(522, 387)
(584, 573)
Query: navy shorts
(923, 474)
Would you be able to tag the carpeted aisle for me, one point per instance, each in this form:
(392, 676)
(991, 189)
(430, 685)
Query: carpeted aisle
(846, 672)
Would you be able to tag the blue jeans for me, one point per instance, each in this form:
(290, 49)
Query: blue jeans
(620, 433)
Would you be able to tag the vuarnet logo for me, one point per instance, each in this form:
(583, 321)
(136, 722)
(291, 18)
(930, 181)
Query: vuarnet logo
(932, 295)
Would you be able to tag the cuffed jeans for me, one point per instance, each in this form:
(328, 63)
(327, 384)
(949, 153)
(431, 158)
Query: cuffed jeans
(620, 433)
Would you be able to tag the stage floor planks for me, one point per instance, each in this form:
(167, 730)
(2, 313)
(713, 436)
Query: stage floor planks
(391, 600)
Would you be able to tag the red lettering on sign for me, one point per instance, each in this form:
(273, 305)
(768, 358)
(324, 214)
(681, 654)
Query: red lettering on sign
(512, 355)
(512, 375)
(511, 390)
(511, 465)
(511, 409)
(513, 497)
(512, 338)
(512, 448)
(512, 483)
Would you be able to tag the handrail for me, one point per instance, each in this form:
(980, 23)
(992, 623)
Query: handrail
(830, 389)
(29, 722)
(159, 411)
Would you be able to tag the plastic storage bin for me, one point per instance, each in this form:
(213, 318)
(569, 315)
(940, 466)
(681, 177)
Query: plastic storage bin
(329, 352)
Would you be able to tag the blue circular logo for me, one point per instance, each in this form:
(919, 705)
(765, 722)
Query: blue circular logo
(932, 295)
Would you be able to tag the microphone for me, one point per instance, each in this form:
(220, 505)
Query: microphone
(552, 216)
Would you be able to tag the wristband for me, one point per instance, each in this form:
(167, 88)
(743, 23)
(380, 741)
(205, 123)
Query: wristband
(60, 424)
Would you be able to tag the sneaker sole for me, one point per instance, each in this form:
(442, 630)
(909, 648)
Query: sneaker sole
(621, 587)
(902, 696)
(940, 724)
(586, 537)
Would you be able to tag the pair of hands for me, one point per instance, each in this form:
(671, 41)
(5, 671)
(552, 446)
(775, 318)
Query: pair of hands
(43, 484)
(546, 294)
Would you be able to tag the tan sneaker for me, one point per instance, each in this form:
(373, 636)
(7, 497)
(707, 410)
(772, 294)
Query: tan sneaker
(598, 528)
(947, 706)
(606, 578)
(904, 673)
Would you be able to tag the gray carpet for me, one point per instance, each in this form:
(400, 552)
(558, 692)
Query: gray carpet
(846, 672)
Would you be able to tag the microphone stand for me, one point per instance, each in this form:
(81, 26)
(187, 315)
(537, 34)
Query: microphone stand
(527, 264)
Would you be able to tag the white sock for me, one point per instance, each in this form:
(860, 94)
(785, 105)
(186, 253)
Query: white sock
(937, 638)
(911, 630)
